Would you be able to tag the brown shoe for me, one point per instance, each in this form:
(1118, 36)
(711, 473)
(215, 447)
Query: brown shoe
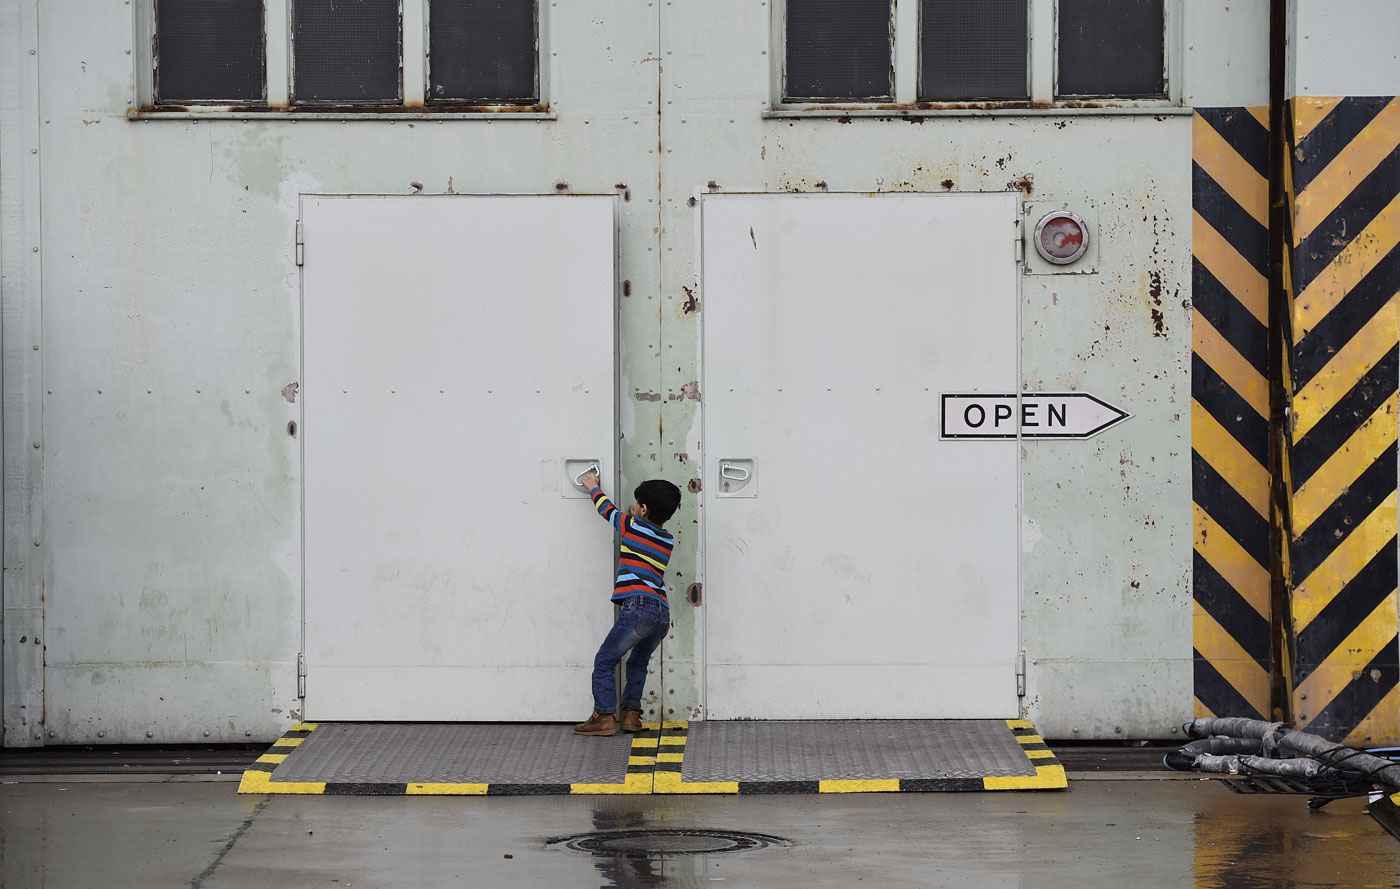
(631, 721)
(599, 724)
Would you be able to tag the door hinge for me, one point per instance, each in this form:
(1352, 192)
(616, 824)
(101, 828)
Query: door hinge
(1021, 675)
(1019, 242)
(301, 675)
(301, 245)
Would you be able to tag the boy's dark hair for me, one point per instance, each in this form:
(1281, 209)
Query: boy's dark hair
(660, 497)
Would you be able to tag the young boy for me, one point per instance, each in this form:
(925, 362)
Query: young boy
(645, 615)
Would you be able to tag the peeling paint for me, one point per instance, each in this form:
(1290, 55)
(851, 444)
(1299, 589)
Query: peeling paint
(289, 392)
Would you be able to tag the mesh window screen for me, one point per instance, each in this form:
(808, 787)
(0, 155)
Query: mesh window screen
(838, 49)
(345, 50)
(1111, 48)
(481, 50)
(209, 51)
(973, 50)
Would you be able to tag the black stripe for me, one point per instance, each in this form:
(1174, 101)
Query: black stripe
(780, 787)
(1230, 410)
(668, 766)
(1216, 692)
(1243, 132)
(1229, 509)
(926, 785)
(1346, 319)
(1229, 219)
(1350, 508)
(1342, 421)
(1335, 132)
(366, 788)
(268, 767)
(640, 769)
(1355, 702)
(1357, 601)
(1228, 315)
(527, 789)
(1362, 204)
(1235, 615)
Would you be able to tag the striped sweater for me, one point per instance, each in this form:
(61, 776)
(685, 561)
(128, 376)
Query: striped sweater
(645, 550)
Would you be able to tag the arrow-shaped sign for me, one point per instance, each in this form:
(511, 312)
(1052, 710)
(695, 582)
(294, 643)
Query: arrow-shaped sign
(1042, 415)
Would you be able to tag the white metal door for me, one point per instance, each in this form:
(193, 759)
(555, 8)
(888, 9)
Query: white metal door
(857, 566)
(458, 371)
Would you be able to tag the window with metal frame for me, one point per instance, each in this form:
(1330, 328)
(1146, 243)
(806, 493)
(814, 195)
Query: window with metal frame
(209, 51)
(1111, 48)
(483, 51)
(346, 51)
(838, 50)
(973, 51)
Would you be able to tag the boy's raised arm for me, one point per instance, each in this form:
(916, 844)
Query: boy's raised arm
(606, 508)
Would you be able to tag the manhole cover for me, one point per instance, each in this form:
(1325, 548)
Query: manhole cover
(646, 843)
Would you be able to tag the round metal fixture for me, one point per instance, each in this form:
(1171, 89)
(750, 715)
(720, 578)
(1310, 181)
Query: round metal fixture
(1061, 237)
(650, 843)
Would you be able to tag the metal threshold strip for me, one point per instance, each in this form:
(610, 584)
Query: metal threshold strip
(819, 756)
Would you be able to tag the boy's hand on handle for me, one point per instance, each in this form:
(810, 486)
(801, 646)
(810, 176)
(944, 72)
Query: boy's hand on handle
(590, 480)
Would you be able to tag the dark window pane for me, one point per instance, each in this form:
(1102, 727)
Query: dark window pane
(1112, 48)
(209, 50)
(346, 50)
(481, 50)
(973, 50)
(838, 49)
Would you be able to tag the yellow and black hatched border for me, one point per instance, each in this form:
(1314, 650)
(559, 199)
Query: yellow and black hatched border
(1386, 810)
(1344, 270)
(259, 777)
(1049, 773)
(1230, 479)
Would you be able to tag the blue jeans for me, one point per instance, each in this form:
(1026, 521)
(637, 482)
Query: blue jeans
(641, 625)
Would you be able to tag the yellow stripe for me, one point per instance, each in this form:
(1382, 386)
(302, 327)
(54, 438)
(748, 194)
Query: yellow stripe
(1308, 113)
(1029, 739)
(1346, 171)
(1343, 468)
(1230, 659)
(878, 785)
(641, 760)
(1046, 778)
(1231, 172)
(261, 782)
(1229, 458)
(634, 784)
(1039, 754)
(1379, 725)
(1231, 562)
(1329, 578)
(672, 742)
(304, 727)
(445, 789)
(1201, 711)
(675, 723)
(643, 742)
(1259, 113)
(1352, 654)
(273, 757)
(1231, 269)
(670, 757)
(1346, 270)
(1019, 723)
(629, 551)
(670, 782)
(288, 742)
(1223, 358)
(1346, 368)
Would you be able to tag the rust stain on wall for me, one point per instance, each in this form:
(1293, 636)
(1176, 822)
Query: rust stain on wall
(647, 396)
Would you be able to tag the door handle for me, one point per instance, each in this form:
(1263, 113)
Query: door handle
(734, 472)
(578, 479)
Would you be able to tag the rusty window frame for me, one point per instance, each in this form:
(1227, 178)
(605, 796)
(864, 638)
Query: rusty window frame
(1170, 17)
(368, 104)
(157, 100)
(534, 100)
(780, 16)
(923, 94)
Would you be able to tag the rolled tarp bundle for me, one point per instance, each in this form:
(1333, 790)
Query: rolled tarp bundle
(1231, 745)
(1373, 769)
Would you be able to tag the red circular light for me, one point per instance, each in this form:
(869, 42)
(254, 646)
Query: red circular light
(1061, 237)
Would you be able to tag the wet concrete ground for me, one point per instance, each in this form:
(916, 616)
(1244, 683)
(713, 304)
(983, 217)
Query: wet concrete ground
(1108, 830)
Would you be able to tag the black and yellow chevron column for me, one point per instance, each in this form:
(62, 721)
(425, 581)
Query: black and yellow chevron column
(1230, 481)
(1345, 287)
